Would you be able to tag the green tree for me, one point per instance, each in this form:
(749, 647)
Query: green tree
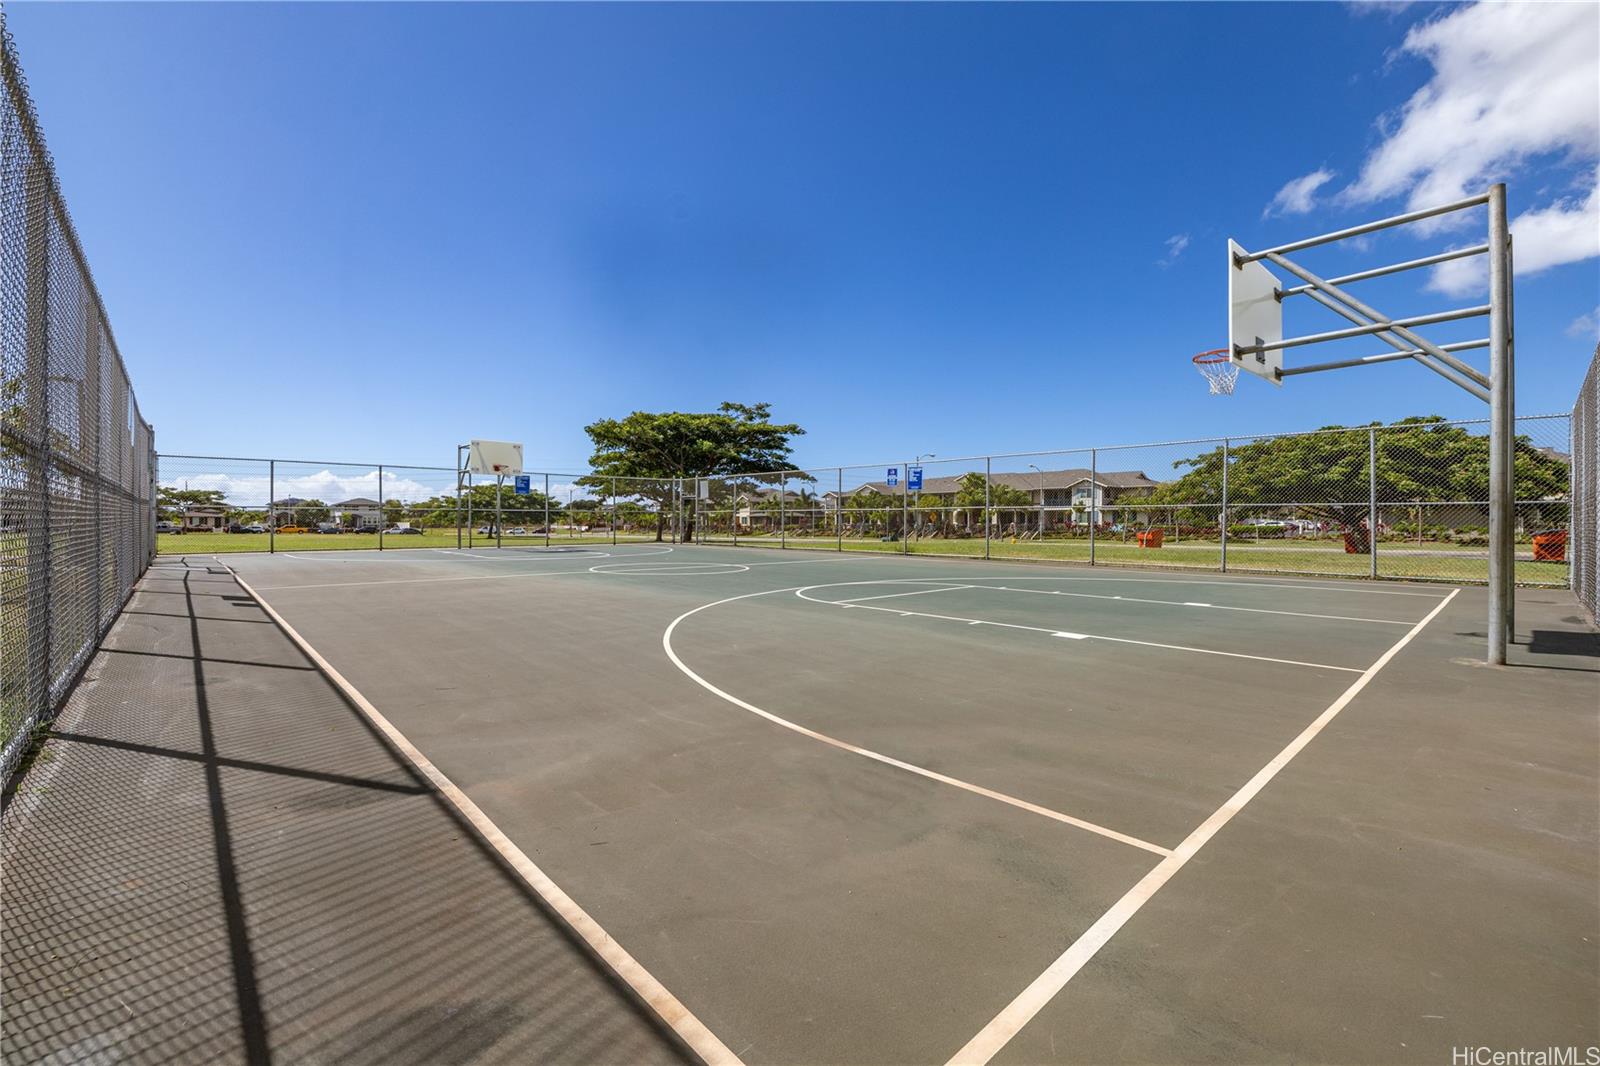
(171, 503)
(1326, 475)
(661, 447)
(311, 512)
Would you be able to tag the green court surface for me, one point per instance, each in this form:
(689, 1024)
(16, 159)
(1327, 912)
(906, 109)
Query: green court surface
(834, 807)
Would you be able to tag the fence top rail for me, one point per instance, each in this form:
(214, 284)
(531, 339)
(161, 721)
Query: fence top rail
(599, 481)
(302, 462)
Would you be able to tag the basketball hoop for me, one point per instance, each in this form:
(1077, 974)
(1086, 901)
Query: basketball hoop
(1219, 371)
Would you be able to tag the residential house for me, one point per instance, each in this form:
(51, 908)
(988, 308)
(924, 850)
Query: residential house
(358, 513)
(1060, 497)
(204, 518)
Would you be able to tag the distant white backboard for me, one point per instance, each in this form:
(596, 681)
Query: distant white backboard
(494, 457)
(1254, 316)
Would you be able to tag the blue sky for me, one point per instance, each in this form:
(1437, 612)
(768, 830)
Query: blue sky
(373, 231)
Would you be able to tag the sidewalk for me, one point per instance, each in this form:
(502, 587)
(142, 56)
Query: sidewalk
(214, 859)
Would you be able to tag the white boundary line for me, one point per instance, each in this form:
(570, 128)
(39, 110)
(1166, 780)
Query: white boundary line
(918, 592)
(672, 1013)
(1005, 1025)
(858, 605)
(666, 644)
(1190, 603)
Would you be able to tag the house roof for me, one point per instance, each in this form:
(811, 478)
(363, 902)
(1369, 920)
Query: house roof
(1029, 481)
(359, 501)
(206, 508)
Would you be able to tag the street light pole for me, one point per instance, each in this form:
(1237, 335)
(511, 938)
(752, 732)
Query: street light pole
(918, 505)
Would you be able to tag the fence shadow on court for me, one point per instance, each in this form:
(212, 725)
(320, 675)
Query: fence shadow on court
(215, 858)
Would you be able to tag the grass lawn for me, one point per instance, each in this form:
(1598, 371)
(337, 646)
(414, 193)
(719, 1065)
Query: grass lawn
(221, 543)
(1441, 562)
(1434, 562)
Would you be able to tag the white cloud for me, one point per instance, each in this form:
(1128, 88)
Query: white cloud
(1299, 195)
(1586, 325)
(251, 490)
(1566, 231)
(1175, 246)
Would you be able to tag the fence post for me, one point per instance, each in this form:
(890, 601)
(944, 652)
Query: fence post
(380, 507)
(838, 511)
(468, 477)
(547, 511)
(1223, 516)
(458, 497)
(988, 519)
(272, 505)
(1372, 501)
(499, 494)
(613, 512)
(1094, 499)
(783, 528)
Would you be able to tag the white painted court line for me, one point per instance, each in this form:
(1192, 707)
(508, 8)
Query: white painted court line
(892, 595)
(1192, 603)
(1239, 582)
(1052, 632)
(667, 1007)
(994, 1036)
(842, 745)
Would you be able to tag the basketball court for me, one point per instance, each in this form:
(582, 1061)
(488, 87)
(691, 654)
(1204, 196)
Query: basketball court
(826, 808)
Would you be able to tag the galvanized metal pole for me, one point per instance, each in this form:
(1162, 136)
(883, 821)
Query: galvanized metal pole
(988, 467)
(838, 511)
(1094, 500)
(1511, 442)
(613, 512)
(1499, 407)
(547, 511)
(905, 511)
(1223, 516)
(272, 505)
(380, 507)
(499, 492)
(468, 477)
(1372, 501)
(458, 497)
(783, 529)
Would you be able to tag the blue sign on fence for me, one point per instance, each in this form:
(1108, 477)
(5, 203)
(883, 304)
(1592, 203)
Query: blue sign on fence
(914, 478)
(894, 476)
(524, 484)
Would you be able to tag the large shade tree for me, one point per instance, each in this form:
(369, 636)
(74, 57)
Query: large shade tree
(655, 449)
(1326, 473)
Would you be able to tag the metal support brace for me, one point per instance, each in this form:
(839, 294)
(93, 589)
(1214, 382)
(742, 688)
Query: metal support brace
(1396, 332)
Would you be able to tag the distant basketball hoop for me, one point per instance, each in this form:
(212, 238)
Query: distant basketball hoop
(1219, 371)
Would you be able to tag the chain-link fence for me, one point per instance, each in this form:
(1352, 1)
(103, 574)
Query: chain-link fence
(1586, 491)
(1408, 500)
(76, 460)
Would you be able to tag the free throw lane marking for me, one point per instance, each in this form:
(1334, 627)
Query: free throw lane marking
(858, 605)
(666, 1006)
(994, 1036)
(867, 753)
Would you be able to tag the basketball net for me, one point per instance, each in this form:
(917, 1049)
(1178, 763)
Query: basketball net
(1219, 371)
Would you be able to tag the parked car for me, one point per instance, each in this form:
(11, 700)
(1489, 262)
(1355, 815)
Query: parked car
(235, 527)
(329, 527)
(483, 531)
(402, 531)
(254, 527)
(168, 527)
(293, 529)
(517, 532)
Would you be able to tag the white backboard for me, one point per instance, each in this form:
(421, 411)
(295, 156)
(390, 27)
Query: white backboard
(483, 456)
(1254, 316)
